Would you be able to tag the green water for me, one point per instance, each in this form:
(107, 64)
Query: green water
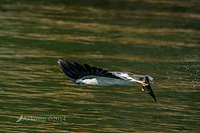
(156, 38)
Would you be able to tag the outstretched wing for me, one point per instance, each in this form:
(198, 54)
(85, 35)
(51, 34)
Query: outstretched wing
(75, 70)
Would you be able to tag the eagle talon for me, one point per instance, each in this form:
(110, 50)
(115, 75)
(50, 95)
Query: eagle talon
(143, 84)
(142, 89)
(140, 83)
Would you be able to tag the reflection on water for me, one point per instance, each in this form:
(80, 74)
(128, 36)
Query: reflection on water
(161, 40)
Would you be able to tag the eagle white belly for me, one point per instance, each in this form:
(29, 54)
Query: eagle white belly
(105, 81)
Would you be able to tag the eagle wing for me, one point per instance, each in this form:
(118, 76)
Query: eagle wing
(75, 70)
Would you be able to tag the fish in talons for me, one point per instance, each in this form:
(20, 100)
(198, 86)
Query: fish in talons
(145, 86)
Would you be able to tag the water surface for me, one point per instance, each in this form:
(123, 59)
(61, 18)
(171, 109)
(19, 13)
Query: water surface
(160, 39)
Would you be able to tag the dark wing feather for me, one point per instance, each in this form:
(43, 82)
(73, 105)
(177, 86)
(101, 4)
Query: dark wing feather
(80, 66)
(87, 68)
(75, 70)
